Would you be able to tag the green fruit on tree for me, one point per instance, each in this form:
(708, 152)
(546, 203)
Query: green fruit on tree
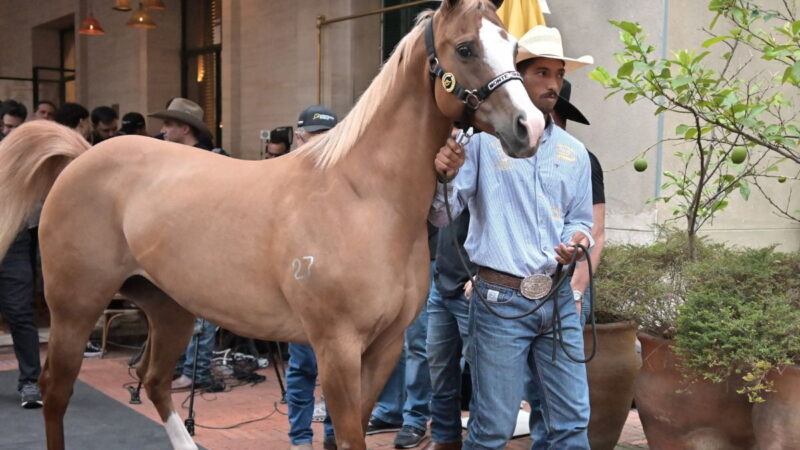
(781, 179)
(640, 164)
(738, 155)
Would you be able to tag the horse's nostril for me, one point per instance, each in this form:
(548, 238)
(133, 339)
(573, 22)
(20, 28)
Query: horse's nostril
(520, 127)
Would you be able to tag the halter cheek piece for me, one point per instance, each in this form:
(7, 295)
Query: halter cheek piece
(472, 99)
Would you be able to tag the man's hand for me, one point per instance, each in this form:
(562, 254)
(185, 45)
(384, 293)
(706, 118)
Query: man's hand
(449, 159)
(564, 251)
(468, 289)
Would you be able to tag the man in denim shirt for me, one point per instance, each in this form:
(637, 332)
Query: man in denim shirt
(525, 216)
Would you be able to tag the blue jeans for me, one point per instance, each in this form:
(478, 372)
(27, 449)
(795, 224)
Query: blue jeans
(503, 351)
(205, 331)
(448, 321)
(410, 381)
(532, 393)
(301, 377)
(586, 306)
(16, 307)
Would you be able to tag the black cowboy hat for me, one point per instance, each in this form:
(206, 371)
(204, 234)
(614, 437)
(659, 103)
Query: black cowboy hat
(567, 110)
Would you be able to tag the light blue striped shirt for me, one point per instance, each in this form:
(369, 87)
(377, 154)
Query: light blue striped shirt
(520, 208)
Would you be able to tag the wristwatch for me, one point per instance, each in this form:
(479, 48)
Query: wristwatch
(577, 296)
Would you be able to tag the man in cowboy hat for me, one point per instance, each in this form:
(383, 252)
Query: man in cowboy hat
(183, 122)
(526, 215)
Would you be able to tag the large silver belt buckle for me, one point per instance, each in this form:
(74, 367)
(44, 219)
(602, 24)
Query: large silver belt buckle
(535, 287)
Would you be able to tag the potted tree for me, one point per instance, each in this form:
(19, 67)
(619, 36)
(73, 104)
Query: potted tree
(738, 133)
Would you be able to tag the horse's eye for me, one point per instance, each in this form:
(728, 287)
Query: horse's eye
(464, 51)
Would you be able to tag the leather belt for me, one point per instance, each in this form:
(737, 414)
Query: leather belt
(501, 278)
(532, 287)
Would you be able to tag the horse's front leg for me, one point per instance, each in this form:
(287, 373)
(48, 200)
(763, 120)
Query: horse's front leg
(339, 363)
(377, 364)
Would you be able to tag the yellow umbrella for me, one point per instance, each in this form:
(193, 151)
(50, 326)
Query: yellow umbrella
(520, 16)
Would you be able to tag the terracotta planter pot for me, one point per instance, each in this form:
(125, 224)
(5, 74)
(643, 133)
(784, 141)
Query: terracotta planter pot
(677, 415)
(776, 422)
(611, 375)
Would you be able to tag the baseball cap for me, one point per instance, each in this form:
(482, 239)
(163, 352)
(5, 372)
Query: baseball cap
(132, 122)
(317, 118)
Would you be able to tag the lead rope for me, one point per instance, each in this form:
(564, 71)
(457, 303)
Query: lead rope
(561, 275)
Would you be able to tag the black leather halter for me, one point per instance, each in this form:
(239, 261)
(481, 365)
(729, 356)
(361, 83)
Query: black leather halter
(472, 99)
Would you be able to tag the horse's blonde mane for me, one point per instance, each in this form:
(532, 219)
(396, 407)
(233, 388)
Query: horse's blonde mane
(334, 145)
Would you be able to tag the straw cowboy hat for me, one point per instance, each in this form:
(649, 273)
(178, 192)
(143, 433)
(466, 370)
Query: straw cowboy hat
(186, 111)
(545, 42)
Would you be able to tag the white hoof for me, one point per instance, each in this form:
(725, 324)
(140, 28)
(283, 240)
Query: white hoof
(178, 436)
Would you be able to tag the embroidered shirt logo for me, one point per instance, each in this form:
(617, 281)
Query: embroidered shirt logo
(503, 161)
(565, 153)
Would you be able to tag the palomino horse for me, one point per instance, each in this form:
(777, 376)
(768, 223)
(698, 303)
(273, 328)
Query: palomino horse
(326, 246)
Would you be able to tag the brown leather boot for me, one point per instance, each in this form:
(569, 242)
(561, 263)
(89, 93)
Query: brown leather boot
(443, 446)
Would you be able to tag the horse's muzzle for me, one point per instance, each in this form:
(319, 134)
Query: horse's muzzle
(520, 138)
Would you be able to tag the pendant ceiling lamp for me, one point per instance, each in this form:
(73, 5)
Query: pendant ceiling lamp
(90, 25)
(122, 5)
(154, 4)
(140, 19)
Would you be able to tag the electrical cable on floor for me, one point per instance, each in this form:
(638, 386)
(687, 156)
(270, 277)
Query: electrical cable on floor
(237, 370)
(259, 419)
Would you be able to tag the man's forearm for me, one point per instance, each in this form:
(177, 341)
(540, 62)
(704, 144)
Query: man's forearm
(580, 279)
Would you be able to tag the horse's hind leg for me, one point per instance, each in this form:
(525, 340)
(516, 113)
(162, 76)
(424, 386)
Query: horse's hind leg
(71, 324)
(170, 328)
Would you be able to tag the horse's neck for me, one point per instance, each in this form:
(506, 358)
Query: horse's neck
(394, 157)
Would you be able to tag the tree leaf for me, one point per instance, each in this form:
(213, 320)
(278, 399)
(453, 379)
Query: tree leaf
(680, 80)
(630, 27)
(600, 75)
(625, 69)
(744, 189)
(630, 97)
(709, 42)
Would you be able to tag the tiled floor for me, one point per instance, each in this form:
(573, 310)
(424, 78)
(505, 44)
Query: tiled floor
(244, 403)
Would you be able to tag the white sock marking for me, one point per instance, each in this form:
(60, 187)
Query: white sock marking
(178, 436)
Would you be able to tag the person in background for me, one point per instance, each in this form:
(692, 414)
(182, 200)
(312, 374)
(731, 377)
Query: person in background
(45, 110)
(12, 114)
(280, 142)
(404, 403)
(183, 124)
(75, 116)
(301, 373)
(16, 290)
(105, 124)
(563, 112)
(448, 333)
(133, 123)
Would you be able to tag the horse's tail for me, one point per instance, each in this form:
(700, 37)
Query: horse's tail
(31, 158)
